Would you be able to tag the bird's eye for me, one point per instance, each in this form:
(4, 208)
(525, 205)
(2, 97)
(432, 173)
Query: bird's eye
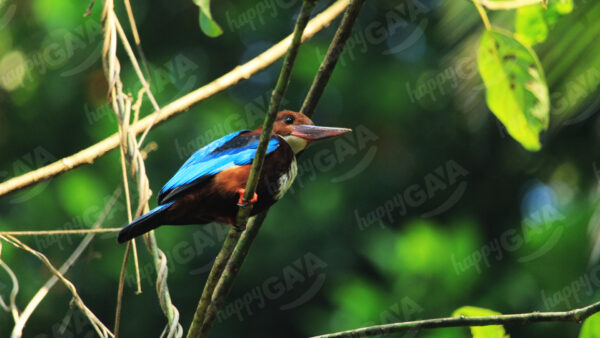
(288, 120)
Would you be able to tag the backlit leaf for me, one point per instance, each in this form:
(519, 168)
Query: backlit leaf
(516, 88)
(208, 25)
(530, 25)
(591, 327)
(491, 331)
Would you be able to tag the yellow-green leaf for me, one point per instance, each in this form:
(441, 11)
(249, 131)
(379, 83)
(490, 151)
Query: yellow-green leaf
(530, 25)
(556, 8)
(509, 4)
(208, 25)
(516, 90)
(491, 331)
(561, 6)
(591, 327)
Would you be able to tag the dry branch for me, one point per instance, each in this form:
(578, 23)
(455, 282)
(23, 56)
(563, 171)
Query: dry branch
(576, 315)
(239, 73)
(100, 328)
(43, 291)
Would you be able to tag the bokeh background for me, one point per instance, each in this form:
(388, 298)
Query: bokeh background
(428, 206)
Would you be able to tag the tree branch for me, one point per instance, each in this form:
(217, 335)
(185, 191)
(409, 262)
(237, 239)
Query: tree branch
(239, 73)
(333, 53)
(576, 315)
(206, 311)
(227, 277)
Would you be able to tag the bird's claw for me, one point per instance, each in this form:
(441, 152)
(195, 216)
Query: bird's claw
(241, 202)
(239, 228)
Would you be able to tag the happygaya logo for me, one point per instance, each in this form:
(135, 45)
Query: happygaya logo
(445, 183)
(355, 150)
(32, 160)
(296, 285)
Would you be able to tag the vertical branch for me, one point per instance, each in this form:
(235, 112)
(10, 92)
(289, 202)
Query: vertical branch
(242, 248)
(120, 290)
(200, 326)
(231, 270)
(122, 105)
(333, 53)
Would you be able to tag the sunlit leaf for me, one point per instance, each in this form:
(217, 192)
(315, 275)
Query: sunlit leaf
(561, 6)
(208, 25)
(509, 4)
(492, 331)
(591, 327)
(557, 8)
(516, 88)
(530, 25)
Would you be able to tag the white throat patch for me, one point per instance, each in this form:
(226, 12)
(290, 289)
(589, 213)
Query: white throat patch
(286, 179)
(296, 143)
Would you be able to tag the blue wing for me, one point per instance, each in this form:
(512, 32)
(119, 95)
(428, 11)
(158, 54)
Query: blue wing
(226, 152)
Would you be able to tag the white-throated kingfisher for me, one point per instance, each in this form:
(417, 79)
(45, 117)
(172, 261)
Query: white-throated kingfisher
(210, 185)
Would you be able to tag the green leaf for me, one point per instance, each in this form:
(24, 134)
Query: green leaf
(530, 25)
(492, 331)
(561, 6)
(516, 88)
(557, 8)
(208, 25)
(510, 4)
(591, 327)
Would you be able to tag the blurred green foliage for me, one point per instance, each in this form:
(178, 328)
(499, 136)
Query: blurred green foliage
(394, 240)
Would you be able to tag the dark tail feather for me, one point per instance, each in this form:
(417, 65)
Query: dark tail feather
(141, 225)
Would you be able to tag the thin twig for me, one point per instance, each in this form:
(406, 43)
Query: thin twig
(232, 268)
(12, 304)
(483, 14)
(120, 290)
(136, 37)
(239, 73)
(100, 328)
(508, 4)
(122, 105)
(43, 291)
(211, 303)
(333, 53)
(140, 75)
(576, 315)
(59, 232)
(211, 282)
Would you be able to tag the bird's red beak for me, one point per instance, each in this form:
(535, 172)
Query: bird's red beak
(314, 133)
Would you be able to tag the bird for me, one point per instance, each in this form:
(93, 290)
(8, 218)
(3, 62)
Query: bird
(210, 185)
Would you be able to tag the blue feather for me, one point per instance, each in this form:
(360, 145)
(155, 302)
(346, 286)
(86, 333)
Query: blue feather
(143, 224)
(213, 158)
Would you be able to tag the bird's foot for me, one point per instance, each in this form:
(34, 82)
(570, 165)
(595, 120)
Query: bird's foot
(241, 202)
(239, 228)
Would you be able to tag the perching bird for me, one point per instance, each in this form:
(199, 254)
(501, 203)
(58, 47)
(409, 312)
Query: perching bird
(210, 185)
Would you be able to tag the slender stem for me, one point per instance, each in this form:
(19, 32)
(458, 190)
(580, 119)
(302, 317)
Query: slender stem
(231, 270)
(278, 93)
(483, 14)
(120, 290)
(60, 232)
(576, 315)
(136, 37)
(43, 291)
(508, 4)
(200, 326)
(213, 278)
(333, 54)
(239, 73)
(242, 248)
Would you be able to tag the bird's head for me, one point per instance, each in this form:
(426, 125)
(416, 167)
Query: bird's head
(299, 131)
